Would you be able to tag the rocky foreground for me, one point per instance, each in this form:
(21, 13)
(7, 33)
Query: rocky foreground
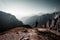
(30, 34)
(49, 31)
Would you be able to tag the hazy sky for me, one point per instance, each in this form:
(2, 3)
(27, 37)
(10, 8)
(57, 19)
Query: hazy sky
(23, 8)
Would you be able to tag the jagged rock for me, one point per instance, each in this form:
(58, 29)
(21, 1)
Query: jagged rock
(21, 33)
(54, 24)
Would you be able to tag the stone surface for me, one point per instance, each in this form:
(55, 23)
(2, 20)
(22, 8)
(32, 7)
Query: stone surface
(28, 34)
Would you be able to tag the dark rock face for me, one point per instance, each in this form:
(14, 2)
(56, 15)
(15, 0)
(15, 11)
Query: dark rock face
(54, 24)
(8, 21)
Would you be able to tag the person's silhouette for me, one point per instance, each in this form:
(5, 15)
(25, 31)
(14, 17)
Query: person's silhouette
(36, 24)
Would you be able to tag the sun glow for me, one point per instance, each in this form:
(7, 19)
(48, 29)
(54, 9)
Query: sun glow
(20, 12)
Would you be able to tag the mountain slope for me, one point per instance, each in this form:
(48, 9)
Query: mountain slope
(40, 19)
(8, 21)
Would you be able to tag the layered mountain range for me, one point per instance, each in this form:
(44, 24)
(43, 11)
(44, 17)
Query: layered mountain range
(40, 19)
(45, 27)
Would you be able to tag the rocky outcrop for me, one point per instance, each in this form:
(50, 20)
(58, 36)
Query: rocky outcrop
(54, 24)
(21, 33)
